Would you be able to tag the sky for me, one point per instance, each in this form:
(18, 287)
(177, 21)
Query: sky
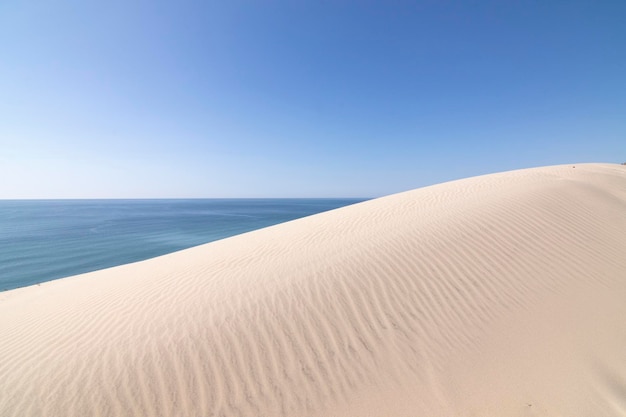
(205, 99)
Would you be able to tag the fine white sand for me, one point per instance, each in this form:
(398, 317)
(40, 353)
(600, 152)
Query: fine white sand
(500, 295)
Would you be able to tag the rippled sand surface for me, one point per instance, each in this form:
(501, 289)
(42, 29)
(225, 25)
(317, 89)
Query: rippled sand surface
(499, 295)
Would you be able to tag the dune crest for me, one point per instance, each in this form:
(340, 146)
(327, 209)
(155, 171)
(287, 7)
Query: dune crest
(499, 295)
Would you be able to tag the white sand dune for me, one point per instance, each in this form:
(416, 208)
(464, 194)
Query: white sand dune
(500, 295)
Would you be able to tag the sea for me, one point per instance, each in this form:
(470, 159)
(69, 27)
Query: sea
(42, 240)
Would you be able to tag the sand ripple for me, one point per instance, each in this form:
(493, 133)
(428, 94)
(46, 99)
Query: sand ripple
(497, 295)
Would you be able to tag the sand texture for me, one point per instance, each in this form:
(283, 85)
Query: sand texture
(499, 295)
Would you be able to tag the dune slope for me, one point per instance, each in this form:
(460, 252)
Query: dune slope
(500, 295)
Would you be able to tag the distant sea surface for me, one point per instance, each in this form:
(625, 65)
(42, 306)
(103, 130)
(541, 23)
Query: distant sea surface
(42, 240)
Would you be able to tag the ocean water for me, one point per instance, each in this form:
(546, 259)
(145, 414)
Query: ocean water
(42, 240)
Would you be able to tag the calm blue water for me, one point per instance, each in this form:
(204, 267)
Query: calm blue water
(43, 240)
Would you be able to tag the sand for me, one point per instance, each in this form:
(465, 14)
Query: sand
(499, 295)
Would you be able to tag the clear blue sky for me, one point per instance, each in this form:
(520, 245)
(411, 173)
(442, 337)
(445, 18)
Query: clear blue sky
(139, 99)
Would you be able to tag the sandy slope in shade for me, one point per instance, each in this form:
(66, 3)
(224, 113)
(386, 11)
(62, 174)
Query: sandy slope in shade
(500, 295)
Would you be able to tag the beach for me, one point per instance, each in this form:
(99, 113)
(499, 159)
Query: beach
(498, 295)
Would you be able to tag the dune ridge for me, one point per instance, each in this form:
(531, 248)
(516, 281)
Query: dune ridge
(499, 295)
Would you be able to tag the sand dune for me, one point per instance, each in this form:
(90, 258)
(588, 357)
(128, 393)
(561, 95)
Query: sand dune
(500, 295)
